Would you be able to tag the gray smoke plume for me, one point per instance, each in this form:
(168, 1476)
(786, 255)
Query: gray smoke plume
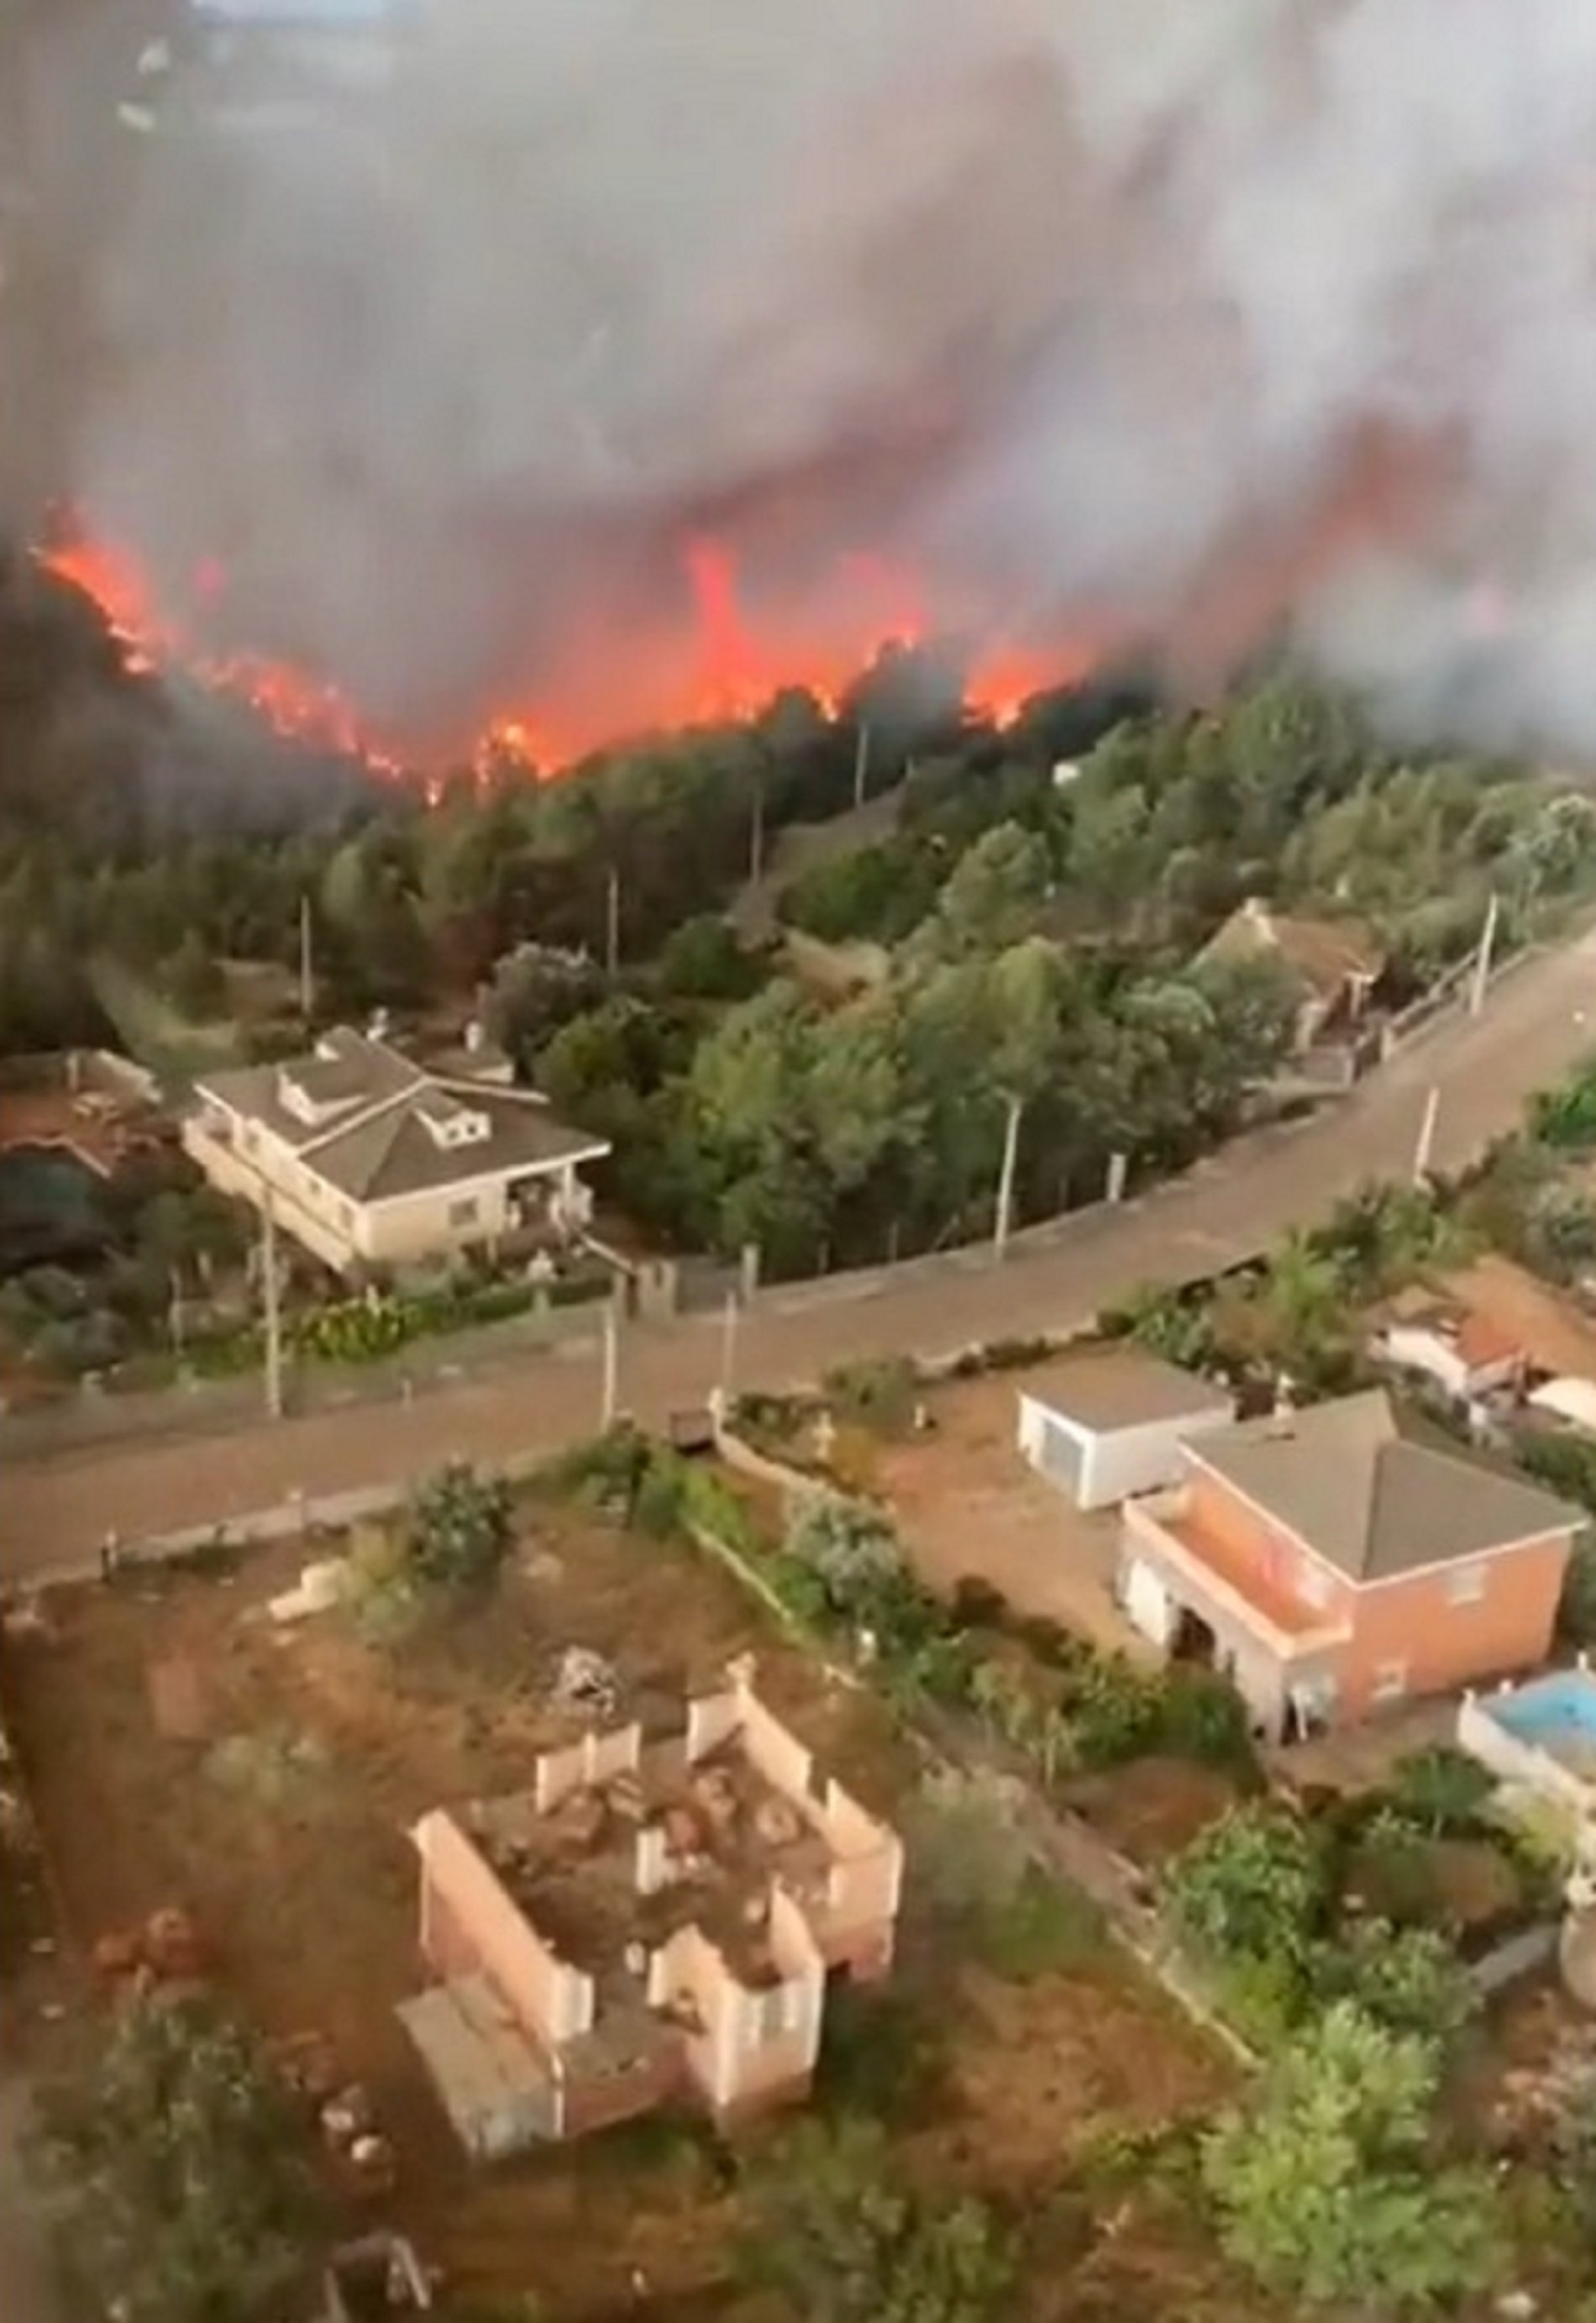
(1162, 317)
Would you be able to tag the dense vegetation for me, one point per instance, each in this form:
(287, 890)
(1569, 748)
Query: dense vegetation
(1033, 919)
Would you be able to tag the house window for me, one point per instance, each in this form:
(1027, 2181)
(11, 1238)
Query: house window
(462, 1214)
(1390, 1682)
(1465, 1584)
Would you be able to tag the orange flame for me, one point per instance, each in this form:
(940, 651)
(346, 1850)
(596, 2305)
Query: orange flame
(727, 670)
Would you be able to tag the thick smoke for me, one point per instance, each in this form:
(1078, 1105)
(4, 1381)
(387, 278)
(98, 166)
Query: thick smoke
(1176, 316)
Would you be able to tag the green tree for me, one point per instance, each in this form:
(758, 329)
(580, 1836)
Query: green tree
(993, 898)
(1330, 2189)
(830, 2227)
(1407, 1979)
(1250, 1886)
(184, 2168)
(461, 1526)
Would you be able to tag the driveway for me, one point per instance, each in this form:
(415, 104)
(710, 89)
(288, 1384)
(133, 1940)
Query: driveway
(55, 1510)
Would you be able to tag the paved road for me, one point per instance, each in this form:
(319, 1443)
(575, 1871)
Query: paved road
(55, 1510)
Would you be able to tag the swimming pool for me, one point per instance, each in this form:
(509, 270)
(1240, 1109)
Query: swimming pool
(1557, 1712)
(1541, 1734)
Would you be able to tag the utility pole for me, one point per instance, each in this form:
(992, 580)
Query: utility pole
(273, 1312)
(1426, 1137)
(861, 763)
(1005, 1177)
(306, 968)
(729, 1346)
(611, 1366)
(1482, 978)
(612, 924)
(757, 832)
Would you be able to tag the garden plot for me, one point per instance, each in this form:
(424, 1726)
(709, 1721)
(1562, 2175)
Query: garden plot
(187, 1751)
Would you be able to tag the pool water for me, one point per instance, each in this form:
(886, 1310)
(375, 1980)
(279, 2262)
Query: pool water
(1552, 1711)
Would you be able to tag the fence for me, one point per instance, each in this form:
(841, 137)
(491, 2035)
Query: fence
(88, 1416)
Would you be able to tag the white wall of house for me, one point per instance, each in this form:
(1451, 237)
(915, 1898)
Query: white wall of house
(249, 1161)
(1413, 1347)
(1100, 1469)
(1153, 1603)
(419, 1225)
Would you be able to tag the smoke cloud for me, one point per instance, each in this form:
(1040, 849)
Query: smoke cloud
(1170, 318)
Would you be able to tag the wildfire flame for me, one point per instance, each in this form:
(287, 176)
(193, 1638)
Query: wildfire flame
(727, 671)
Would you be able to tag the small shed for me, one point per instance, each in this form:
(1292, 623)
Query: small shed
(1108, 1423)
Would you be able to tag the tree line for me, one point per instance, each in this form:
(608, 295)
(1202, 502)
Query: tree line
(1032, 1005)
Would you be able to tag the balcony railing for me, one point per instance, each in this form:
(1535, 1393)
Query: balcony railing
(1211, 1577)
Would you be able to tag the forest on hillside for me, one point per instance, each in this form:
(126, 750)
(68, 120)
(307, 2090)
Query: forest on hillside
(1034, 908)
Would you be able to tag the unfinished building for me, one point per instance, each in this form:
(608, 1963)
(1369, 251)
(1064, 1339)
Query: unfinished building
(653, 1921)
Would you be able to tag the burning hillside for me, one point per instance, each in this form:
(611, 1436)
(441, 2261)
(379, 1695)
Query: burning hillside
(618, 367)
(714, 660)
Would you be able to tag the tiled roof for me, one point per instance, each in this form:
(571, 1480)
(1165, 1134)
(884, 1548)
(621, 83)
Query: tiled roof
(373, 1141)
(1350, 1482)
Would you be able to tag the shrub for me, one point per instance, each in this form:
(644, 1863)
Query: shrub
(1577, 1612)
(1112, 1709)
(977, 1605)
(1407, 1979)
(833, 2232)
(1441, 1791)
(1201, 1716)
(1251, 1887)
(1329, 2189)
(185, 2169)
(880, 1395)
(460, 1528)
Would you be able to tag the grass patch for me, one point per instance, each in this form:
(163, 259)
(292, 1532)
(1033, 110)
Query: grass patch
(882, 2055)
(1045, 1927)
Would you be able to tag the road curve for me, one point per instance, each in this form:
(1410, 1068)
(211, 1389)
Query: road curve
(56, 1509)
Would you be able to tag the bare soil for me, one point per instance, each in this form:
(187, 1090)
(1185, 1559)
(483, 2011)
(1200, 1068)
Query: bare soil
(1154, 1807)
(968, 1505)
(182, 1749)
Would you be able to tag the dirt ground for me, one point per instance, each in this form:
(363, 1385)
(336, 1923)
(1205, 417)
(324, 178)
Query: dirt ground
(966, 1504)
(1154, 1807)
(91, 1125)
(183, 1749)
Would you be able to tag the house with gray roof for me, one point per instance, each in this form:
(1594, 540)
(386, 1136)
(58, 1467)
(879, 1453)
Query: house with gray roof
(372, 1159)
(1338, 1561)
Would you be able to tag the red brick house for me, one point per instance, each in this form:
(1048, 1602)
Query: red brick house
(1334, 1563)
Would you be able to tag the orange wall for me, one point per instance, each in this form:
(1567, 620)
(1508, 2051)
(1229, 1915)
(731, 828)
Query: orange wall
(1415, 1621)
(1281, 1565)
(1445, 1645)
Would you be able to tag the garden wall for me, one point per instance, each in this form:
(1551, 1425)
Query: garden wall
(87, 1416)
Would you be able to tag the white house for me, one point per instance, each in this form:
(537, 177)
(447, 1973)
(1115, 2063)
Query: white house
(1109, 1423)
(371, 1159)
(1463, 1353)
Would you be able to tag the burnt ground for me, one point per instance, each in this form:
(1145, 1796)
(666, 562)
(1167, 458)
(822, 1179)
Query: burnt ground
(273, 1808)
